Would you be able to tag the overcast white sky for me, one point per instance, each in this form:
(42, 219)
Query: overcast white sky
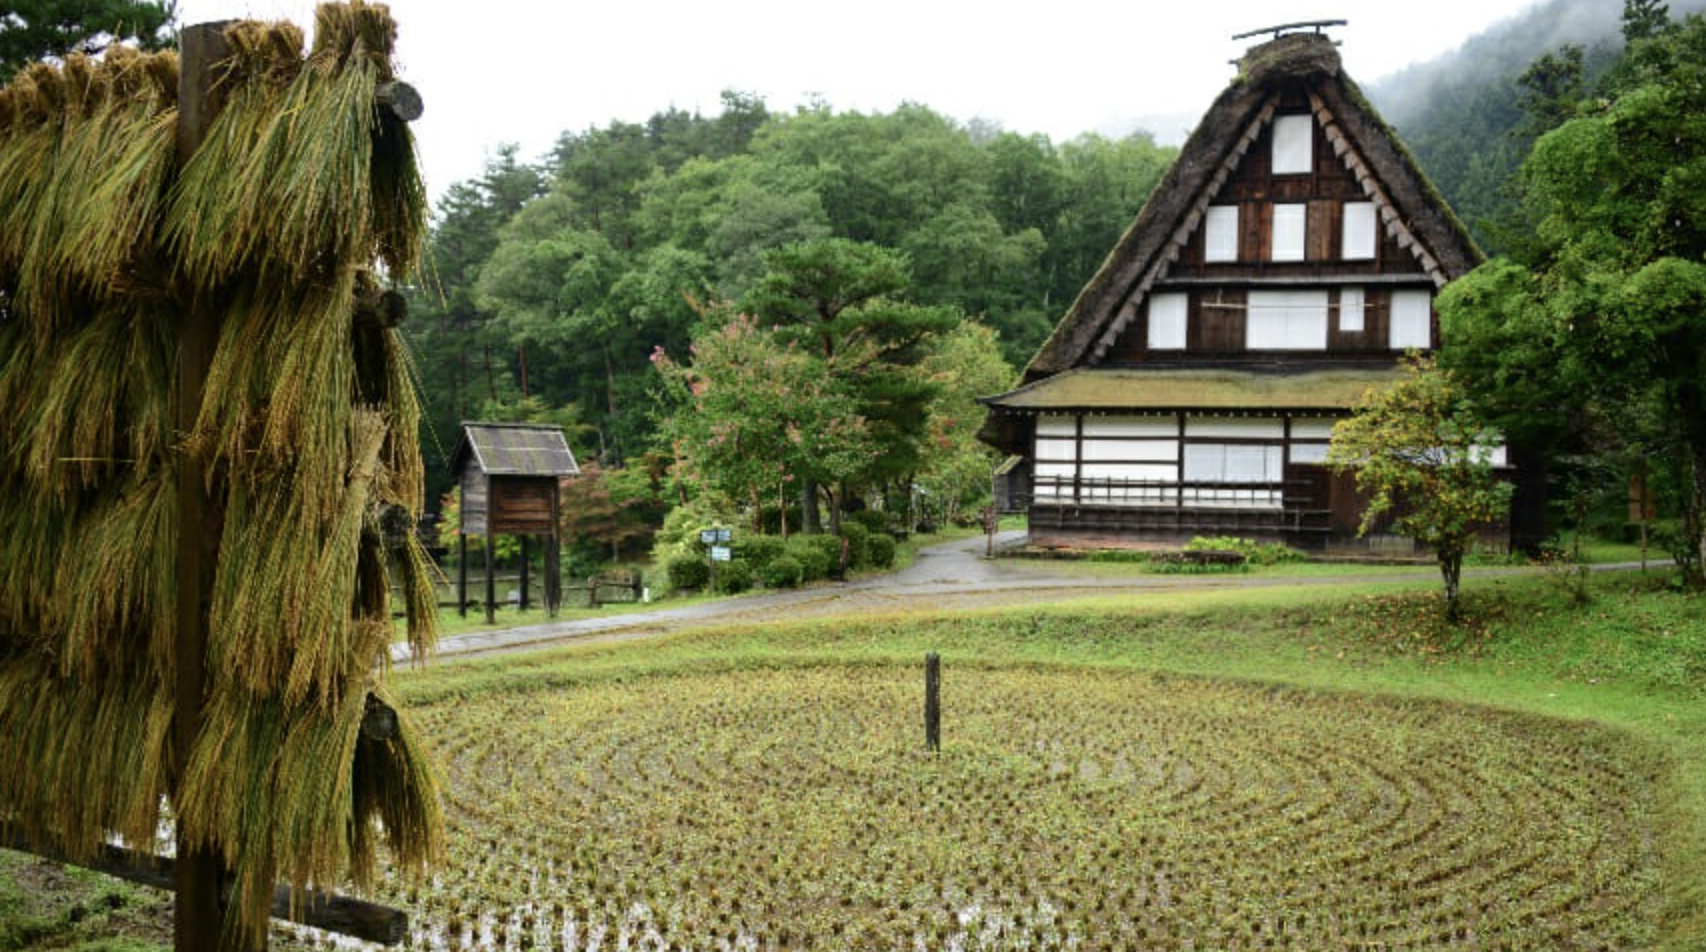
(524, 71)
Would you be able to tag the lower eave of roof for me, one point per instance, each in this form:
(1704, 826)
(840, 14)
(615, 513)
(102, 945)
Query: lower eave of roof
(1130, 389)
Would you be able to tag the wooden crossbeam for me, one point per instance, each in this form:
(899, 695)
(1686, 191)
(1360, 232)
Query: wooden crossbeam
(343, 915)
(1316, 25)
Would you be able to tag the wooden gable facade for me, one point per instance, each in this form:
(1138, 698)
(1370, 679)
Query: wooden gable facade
(1284, 265)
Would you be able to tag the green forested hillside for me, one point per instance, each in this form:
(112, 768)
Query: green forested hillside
(1464, 114)
(553, 285)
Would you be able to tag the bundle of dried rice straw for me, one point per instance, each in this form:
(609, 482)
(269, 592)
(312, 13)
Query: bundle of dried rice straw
(301, 191)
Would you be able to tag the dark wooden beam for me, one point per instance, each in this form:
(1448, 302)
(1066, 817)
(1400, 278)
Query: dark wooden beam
(356, 918)
(379, 721)
(380, 307)
(401, 99)
(197, 917)
(1417, 280)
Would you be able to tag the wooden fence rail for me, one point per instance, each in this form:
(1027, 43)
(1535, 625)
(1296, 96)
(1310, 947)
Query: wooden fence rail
(356, 918)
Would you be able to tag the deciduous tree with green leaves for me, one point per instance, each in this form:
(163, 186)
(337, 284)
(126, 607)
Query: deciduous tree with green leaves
(1424, 457)
(957, 466)
(752, 417)
(1611, 316)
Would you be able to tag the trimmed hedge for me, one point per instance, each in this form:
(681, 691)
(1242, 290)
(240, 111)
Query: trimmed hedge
(784, 571)
(858, 544)
(814, 562)
(879, 551)
(733, 577)
(687, 572)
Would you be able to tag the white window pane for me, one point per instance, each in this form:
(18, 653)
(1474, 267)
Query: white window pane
(1290, 223)
(1312, 429)
(1162, 426)
(1056, 424)
(1286, 320)
(1352, 302)
(1167, 321)
(1056, 471)
(1220, 233)
(1056, 449)
(1241, 428)
(1246, 464)
(1110, 471)
(1411, 324)
(1294, 137)
(1496, 455)
(1309, 452)
(1205, 463)
(1132, 450)
(1359, 242)
(1223, 463)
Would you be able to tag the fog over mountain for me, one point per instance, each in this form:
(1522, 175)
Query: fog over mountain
(1461, 114)
(1503, 51)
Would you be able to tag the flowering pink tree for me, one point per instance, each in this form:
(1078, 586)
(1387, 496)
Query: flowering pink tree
(753, 416)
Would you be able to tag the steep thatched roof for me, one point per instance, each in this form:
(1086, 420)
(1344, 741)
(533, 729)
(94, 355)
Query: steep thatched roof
(300, 193)
(1409, 207)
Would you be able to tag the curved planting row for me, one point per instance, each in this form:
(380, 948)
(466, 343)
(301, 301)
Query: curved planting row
(796, 809)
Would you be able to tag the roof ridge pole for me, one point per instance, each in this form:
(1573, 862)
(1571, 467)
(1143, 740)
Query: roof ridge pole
(198, 918)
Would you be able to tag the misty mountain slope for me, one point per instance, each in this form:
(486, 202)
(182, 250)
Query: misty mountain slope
(1460, 113)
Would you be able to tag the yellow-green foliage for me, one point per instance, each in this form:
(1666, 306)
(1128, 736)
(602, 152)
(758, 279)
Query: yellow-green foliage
(301, 190)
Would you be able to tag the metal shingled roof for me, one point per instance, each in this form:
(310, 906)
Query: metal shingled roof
(515, 449)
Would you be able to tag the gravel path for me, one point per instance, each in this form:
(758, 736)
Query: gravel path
(954, 576)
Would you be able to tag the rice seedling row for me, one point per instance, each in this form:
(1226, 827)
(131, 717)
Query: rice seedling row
(796, 809)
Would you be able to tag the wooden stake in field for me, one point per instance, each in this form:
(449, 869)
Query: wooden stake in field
(933, 702)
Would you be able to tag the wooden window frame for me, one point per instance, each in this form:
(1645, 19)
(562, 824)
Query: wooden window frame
(1293, 144)
(1221, 234)
(1290, 222)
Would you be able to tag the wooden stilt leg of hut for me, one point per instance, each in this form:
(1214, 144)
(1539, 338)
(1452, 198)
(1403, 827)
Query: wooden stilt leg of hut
(525, 555)
(553, 575)
(491, 580)
(197, 915)
(462, 574)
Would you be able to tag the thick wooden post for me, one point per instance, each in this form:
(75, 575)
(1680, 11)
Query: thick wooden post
(553, 575)
(933, 702)
(491, 577)
(462, 574)
(197, 918)
(525, 555)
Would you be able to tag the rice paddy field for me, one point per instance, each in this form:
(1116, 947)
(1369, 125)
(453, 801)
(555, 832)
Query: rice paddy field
(1272, 770)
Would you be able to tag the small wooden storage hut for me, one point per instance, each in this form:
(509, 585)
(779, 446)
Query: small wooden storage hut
(510, 474)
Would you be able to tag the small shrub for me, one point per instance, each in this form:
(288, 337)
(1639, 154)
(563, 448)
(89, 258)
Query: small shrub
(1181, 563)
(1255, 553)
(879, 551)
(687, 572)
(758, 550)
(858, 544)
(830, 546)
(875, 521)
(1118, 555)
(814, 561)
(733, 577)
(783, 571)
